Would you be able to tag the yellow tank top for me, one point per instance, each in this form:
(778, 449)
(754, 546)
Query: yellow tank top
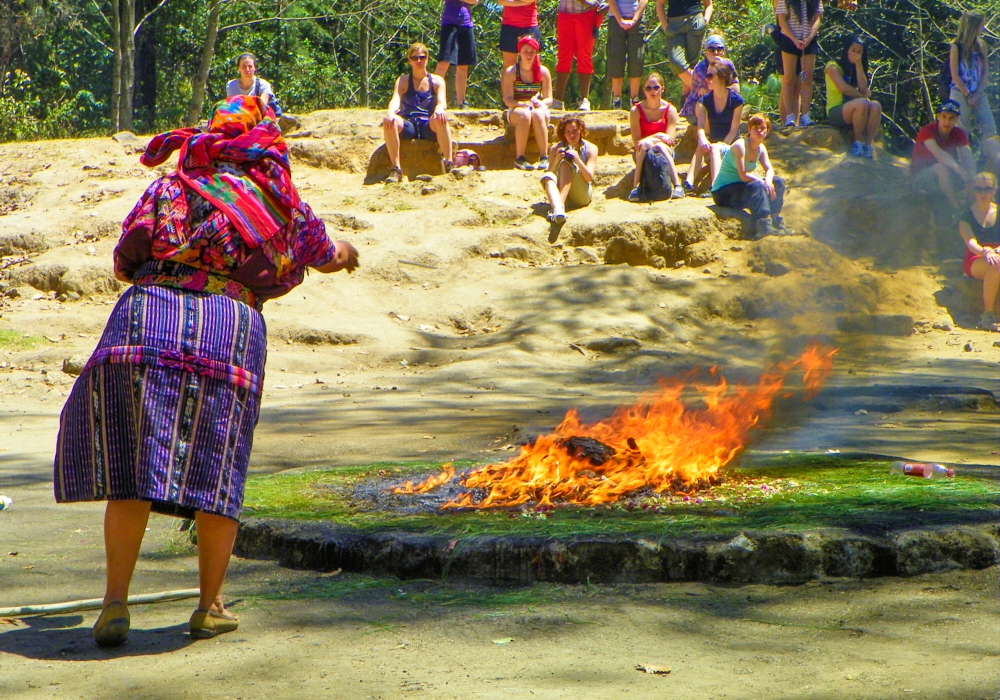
(834, 97)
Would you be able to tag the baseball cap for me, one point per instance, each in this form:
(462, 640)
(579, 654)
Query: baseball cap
(950, 106)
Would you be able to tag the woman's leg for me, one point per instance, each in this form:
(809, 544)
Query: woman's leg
(461, 82)
(540, 127)
(216, 535)
(715, 161)
(874, 121)
(808, 68)
(789, 96)
(855, 113)
(696, 161)
(390, 131)
(640, 158)
(509, 58)
(984, 117)
(124, 526)
(443, 132)
(520, 119)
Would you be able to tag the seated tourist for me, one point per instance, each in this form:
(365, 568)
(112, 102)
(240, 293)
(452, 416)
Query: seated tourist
(849, 97)
(740, 185)
(715, 54)
(248, 83)
(572, 161)
(941, 155)
(653, 124)
(719, 114)
(527, 92)
(979, 227)
(416, 111)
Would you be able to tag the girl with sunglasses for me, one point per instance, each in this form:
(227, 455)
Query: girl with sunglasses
(653, 125)
(719, 113)
(979, 227)
(715, 54)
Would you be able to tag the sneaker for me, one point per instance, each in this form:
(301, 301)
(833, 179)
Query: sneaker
(635, 195)
(616, 103)
(678, 193)
(790, 121)
(556, 217)
(557, 104)
(521, 163)
(688, 187)
(763, 228)
(584, 105)
(778, 224)
(464, 105)
(447, 166)
(868, 151)
(543, 163)
(988, 322)
(857, 149)
(395, 176)
(805, 120)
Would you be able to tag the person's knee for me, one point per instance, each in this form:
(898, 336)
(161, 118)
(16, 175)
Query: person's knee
(875, 106)
(547, 178)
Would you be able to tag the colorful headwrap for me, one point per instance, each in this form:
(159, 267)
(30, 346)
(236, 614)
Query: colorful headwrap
(536, 65)
(241, 130)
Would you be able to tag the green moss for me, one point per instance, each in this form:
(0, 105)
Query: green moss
(15, 341)
(790, 493)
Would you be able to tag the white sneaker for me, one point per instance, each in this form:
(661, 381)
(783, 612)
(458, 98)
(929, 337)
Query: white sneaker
(585, 105)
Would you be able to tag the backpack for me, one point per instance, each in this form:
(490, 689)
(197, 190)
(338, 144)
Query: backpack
(654, 183)
(470, 158)
(273, 104)
(944, 78)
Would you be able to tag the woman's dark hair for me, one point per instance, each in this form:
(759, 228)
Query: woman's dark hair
(811, 7)
(240, 58)
(566, 121)
(724, 71)
(847, 68)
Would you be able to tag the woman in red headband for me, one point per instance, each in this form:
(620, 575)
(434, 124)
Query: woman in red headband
(527, 92)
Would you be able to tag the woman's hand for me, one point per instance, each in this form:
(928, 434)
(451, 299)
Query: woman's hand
(769, 187)
(972, 99)
(669, 140)
(992, 257)
(704, 144)
(389, 120)
(346, 257)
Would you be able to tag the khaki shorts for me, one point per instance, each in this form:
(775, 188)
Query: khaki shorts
(580, 191)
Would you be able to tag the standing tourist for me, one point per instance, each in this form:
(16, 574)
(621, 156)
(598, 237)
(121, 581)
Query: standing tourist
(740, 186)
(720, 112)
(653, 124)
(568, 184)
(248, 83)
(577, 22)
(715, 54)
(417, 111)
(162, 417)
(942, 157)
(849, 97)
(458, 45)
(970, 72)
(799, 22)
(527, 92)
(684, 23)
(520, 18)
(979, 227)
(626, 40)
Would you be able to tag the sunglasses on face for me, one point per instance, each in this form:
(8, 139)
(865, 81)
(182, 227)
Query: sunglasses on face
(711, 75)
(653, 88)
(418, 58)
(984, 188)
(716, 49)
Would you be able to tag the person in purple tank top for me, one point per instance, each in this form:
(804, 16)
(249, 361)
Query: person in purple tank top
(416, 111)
(458, 44)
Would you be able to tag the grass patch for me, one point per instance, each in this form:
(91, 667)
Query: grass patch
(16, 341)
(791, 493)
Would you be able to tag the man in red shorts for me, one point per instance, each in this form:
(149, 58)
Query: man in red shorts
(577, 23)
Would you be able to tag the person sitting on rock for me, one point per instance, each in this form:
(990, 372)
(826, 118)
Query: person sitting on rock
(849, 97)
(979, 226)
(737, 186)
(249, 83)
(568, 183)
(715, 54)
(527, 92)
(720, 113)
(653, 123)
(417, 111)
(941, 155)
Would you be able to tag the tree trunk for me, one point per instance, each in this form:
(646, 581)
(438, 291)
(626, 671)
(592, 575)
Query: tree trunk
(116, 71)
(200, 79)
(146, 76)
(127, 31)
(365, 53)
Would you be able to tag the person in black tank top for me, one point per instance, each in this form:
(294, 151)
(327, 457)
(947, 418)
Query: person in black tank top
(417, 111)
(979, 226)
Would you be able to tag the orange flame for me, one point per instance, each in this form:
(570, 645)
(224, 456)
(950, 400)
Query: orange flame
(658, 442)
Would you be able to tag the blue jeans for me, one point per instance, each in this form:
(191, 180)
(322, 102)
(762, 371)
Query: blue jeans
(752, 196)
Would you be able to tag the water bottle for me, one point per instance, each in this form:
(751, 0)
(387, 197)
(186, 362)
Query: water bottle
(5, 502)
(927, 470)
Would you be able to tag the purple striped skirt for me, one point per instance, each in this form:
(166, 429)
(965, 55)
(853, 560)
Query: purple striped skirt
(165, 409)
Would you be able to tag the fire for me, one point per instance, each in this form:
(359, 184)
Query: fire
(659, 442)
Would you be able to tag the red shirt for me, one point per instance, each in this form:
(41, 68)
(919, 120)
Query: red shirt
(923, 158)
(522, 17)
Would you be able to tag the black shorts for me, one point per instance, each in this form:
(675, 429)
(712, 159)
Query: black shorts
(417, 128)
(458, 45)
(509, 36)
(786, 46)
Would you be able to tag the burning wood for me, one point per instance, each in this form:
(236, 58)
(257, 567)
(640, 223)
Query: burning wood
(657, 443)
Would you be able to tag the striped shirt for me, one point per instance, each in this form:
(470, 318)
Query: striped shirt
(800, 27)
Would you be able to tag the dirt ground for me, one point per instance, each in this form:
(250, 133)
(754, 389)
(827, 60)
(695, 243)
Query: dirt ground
(465, 331)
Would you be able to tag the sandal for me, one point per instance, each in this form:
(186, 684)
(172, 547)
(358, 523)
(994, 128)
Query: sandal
(111, 628)
(206, 624)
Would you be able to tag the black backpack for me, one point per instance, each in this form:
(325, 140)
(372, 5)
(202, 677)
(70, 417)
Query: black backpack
(278, 111)
(654, 183)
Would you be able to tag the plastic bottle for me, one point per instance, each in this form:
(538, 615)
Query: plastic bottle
(5, 502)
(926, 470)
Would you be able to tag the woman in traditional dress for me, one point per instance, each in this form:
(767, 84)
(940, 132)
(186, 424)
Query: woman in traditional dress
(162, 416)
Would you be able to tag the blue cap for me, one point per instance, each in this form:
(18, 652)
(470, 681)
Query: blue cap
(950, 106)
